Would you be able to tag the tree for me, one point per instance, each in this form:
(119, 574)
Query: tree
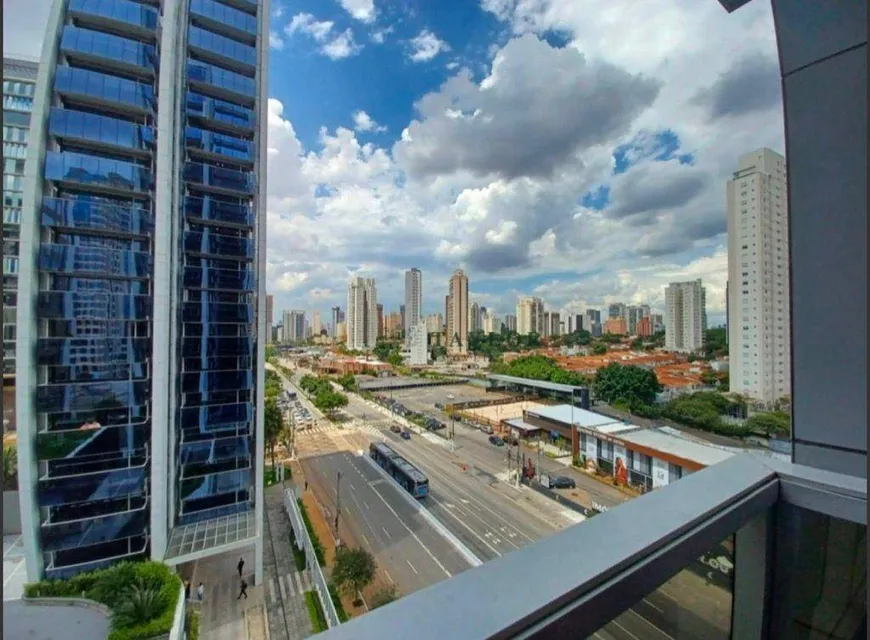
(10, 467)
(439, 351)
(348, 381)
(599, 349)
(770, 424)
(328, 401)
(273, 423)
(709, 378)
(637, 344)
(627, 383)
(354, 569)
(384, 595)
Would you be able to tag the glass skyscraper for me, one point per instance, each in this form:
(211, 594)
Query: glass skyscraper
(141, 316)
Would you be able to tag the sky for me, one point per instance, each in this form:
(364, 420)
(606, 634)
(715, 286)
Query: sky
(576, 150)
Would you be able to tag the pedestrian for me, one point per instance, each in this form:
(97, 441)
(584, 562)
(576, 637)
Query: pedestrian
(241, 566)
(187, 590)
(200, 591)
(243, 591)
(306, 485)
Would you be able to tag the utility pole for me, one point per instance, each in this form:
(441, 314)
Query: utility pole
(337, 505)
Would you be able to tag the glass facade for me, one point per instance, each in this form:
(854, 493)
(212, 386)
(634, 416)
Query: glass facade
(96, 231)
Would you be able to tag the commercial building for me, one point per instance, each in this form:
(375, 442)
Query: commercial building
(337, 319)
(593, 322)
(362, 314)
(491, 323)
(294, 326)
(758, 263)
(530, 316)
(644, 327)
(475, 317)
(435, 323)
(510, 322)
(380, 320)
(685, 316)
(793, 534)
(413, 301)
(615, 326)
(19, 84)
(457, 313)
(141, 316)
(419, 344)
(316, 323)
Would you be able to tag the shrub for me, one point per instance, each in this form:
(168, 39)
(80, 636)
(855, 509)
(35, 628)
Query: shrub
(336, 602)
(315, 612)
(191, 625)
(384, 595)
(319, 553)
(298, 554)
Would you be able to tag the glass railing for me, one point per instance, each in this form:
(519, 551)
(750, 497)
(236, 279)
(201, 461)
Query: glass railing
(83, 533)
(92, 259)
(96, 213)
(219, 12)
(92, 170)
(123, 483)
(84, 82)
(219, 177)
(91, 396)
(215, 512)
(214, 450)
(225, 279)
(87, 440)
(109, 47)
(211, 209)
(92, 350)
(132, 13)
(217, 312)
(64, 572)
(209, 242)
(92, 304)
(219, 144)
(220, 110)
(210, 347)
(220, 78)
(215, 416)
(78, 125)
(222, 46)
(209, 381)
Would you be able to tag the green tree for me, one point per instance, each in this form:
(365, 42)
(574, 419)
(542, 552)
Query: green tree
(273, 424)
(328, 401)
(439, 351)
(348, 381)
(709, 378)
(715, 343)
(611, 338)
(599, 349)
(353, 570)
(637, 344)
(10, 467)
(770, 424)
(630, 384)
(384, 595)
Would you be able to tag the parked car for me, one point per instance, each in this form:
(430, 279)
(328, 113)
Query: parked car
(496, 441)
(563, 482)
(395, 428)
(487, 429)
(406, 435)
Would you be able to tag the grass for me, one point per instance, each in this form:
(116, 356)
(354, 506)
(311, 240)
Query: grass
(318, 547)
(336, 601)
(191, 625)
(315, 612)
(112, 587)
(298, 554)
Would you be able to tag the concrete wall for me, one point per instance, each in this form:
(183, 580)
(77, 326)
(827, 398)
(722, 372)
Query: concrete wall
(11, 513)
(823, 60)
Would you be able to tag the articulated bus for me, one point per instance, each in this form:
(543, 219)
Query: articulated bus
(409, 477)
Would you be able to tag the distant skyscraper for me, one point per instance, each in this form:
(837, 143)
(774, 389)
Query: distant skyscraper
(555, 324)
(510, 322)
(419, 344)
(380, 320)
(270, 320)
(337, 319)
(593, 322)
(413, 301)
(685, 316)
(530, 316)
(457, 313)
(362, 314)
(759, 342)
(434, 323)
(616, 310)
(474, 317)
(316, 323)
(294, 326)
(141, 317)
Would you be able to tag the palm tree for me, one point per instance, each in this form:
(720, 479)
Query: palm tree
(141, 605)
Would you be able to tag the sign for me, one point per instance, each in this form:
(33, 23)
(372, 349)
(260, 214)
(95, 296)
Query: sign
(599, 507)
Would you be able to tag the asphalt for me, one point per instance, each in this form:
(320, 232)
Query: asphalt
(412, 552)
(53, 622)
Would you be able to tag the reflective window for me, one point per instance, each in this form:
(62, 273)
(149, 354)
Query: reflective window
(94, 486)
(214, 416)
(197, 278)
(217, 312)
(66, 513)
(99, 349)
(97, 213)
(225, 14)
(107, 416)
(220, 110)
(215, 484)
(210, 208)
(90, 397)
(93, 286)
(220, 177)
(96, 373)
(219, 143)
(135, 264)
(214, 512)
(93, 531)
(217, 363)
(133, 13)
(111, 47)
(216, 381)
(210, 243)
(18, 103)
(221, 78)
(57, 571)
(207, 347)
(87, 169)
(214, 450)
(92, 304)
(90, 126)
(226, 47)
(104, 86)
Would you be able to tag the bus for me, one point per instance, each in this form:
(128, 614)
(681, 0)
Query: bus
(409, 477)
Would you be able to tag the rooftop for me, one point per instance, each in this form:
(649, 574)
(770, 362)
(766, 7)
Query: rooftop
(666, 442)
(581, 417)
(540, 384)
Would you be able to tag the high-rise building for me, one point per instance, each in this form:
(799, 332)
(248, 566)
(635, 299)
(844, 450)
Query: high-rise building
(316, 323)
(475, 317)
(685, 316)
(491, 323)
(758, 265)
(644, 327)
(593, 322)
(19, 84)
(362, 314)
(402, 317)
(434, 323)
(546, 326)
(579, 324)
(510, 322)
(555, 324)
(294, 326)
(616, 310)
(141, 317)
(419, 344)
(457, 313)
(380, 320)
(413, 301)
(337, 319)
(270, 311)
(530, 316)
(658, 322)
(615, 326)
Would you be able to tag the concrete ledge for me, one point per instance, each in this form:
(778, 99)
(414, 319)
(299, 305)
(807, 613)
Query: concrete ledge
(68, 602)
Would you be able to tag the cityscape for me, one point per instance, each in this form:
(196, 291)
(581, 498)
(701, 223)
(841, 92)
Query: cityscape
(362, 319)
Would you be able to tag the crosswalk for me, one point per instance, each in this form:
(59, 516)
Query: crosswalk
(288, 586)
(326, 428)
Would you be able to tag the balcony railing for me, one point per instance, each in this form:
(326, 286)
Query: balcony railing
(604, 571)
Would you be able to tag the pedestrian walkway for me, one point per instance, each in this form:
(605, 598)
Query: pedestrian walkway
(285, 606)
(223, 616)
(14, 571)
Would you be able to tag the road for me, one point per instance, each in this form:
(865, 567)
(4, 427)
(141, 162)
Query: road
(413, 553)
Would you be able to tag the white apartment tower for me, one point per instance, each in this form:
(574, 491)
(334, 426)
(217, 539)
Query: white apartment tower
(457, 313)
(685, 316)
(758, 263)
(530, 316)
(419, 344)
(413, 301)
(362, 314)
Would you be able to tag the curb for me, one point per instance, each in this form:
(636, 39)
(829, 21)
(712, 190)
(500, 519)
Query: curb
(68, 602)
(472, 559)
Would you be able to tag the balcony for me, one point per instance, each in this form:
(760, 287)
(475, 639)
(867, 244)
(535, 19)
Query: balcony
(105, 91)
(221, 83)
(220, 180)
(221, 18)
(120, 16)
(114, 177)
(603, 577)
(108, 263)
(219, 146)
(96, 214)
(219, 279)
(101, 132)
(210, 244)
(109, 51)
(211, 210)
(219, 114)
(221, 50)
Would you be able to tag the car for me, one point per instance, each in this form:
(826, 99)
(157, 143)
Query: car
(512, 440)
(406, 435)
(562, 482)
(487, 429)
(395, 428)
(496, 441)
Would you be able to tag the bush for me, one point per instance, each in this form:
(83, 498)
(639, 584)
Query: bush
(123, 588)
(384, 595)
(315, 612)
(336, 602)
(319, 553)
(191, 625)
(298, 554)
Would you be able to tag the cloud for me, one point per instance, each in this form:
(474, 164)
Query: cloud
(652, 187)
(275, 41)
(333, 45)
(751, 85)
(24, 28)
(362, 10)
(308, 24)
(426, 46)
(342, 46)
(537, 108)
(363, 122)
(380, 36)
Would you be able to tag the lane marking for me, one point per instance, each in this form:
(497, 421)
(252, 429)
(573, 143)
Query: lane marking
(366, 503)
(389, 577)
(664, 633)
(412, 567)
(283, 588)
(615, 623)
(386, 533)
(272, 590)
(298, 578)
(653, 606)
(365, 539)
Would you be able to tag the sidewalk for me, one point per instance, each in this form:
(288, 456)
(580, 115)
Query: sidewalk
(285, 606)
(222, 616)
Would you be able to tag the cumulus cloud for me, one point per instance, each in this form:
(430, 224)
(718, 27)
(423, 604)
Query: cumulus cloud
(307, 23)
(751, 85)
(363, 122)
(362, 10)
(275, 41)
(334, 45)
(342, 46)
(426, 46)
